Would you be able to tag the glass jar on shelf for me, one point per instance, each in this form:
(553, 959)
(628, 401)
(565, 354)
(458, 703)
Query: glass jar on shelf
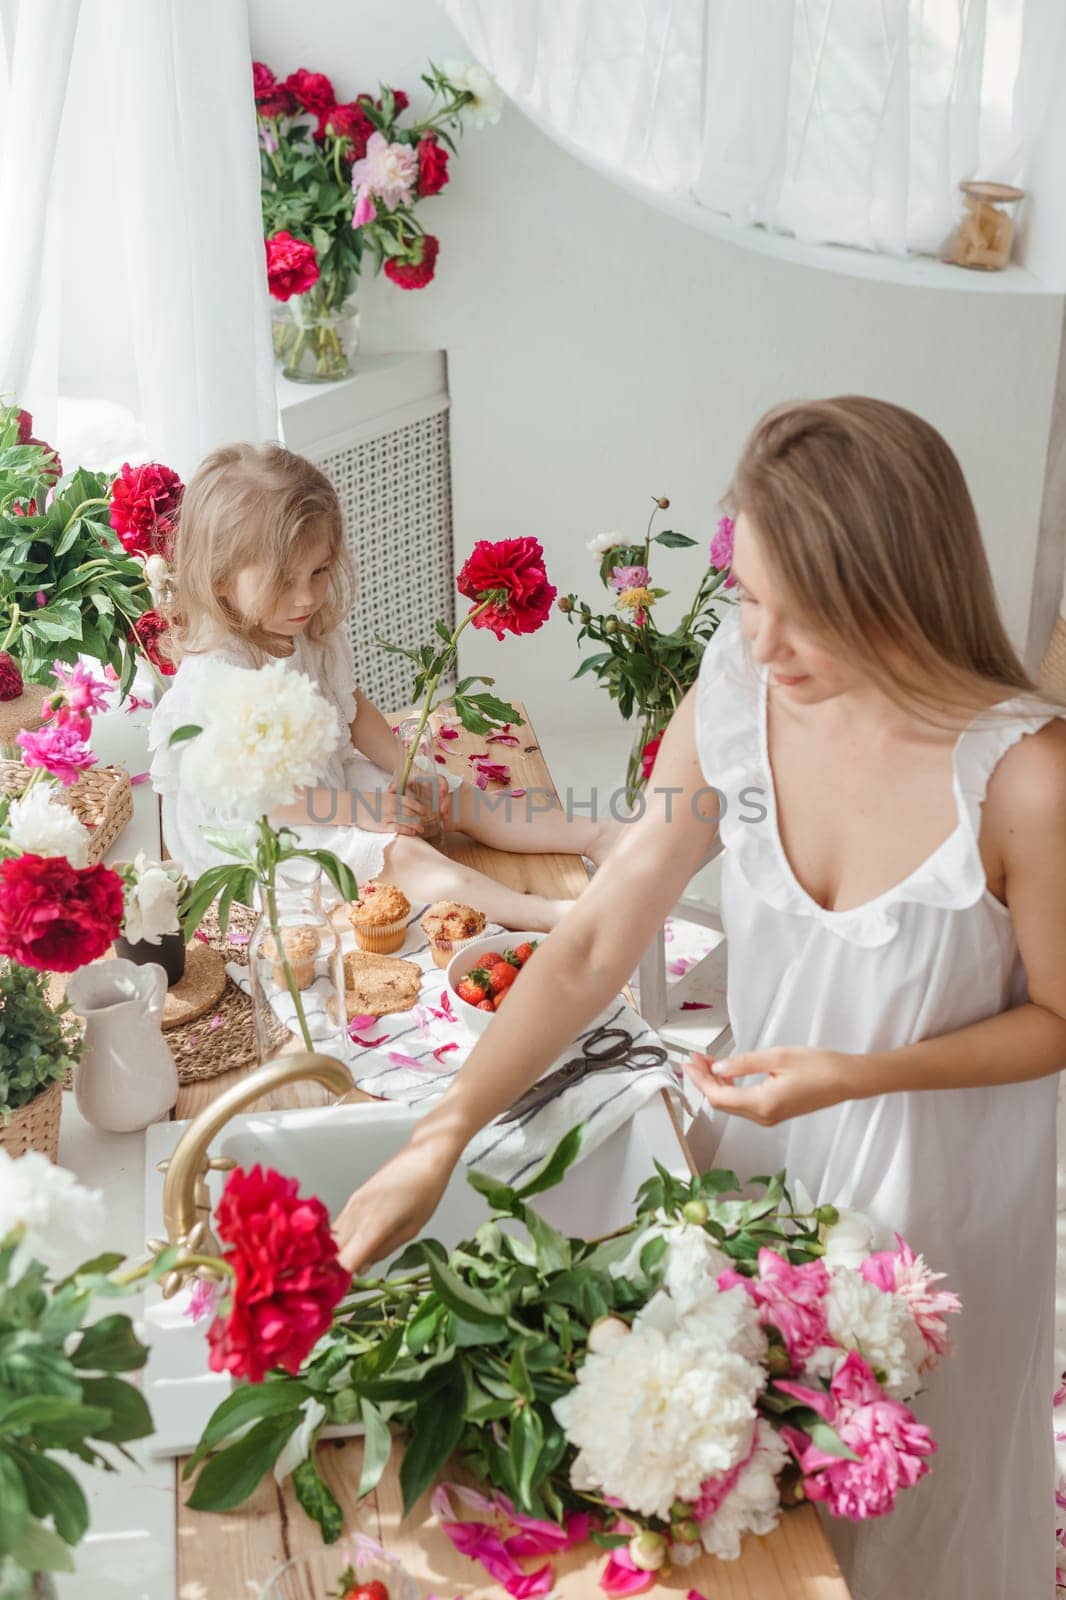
(985, 234)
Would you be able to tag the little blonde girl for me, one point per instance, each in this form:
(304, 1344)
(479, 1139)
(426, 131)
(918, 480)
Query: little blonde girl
(262, 572)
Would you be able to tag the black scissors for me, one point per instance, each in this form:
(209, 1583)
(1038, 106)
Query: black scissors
(604, 1050)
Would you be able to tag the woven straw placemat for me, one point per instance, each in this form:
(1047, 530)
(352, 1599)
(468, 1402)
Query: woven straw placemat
(198, 991)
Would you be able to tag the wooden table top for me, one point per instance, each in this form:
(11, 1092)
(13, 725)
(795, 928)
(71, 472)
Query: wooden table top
(226, 1556)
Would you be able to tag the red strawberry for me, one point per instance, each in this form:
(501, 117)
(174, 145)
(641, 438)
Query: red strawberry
(372, 1590)
(500, 998)
(474, 987)
(493, 959)
(524, 951)
(503, 975)
(486, 1005)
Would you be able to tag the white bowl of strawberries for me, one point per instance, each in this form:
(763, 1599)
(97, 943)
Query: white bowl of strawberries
(481, 974)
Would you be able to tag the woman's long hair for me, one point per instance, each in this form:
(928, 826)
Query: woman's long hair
(863, 513)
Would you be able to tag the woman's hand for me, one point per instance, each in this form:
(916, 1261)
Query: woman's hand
(798, 1080)
(393, 1206)
(385, 811)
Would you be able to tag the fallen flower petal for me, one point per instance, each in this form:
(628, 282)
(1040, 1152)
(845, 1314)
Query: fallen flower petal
(516, 794)
(367, 1044)
(141, 777)
(216, 1021)
(510, 739)
(697, 1005)
(400, 1060)
(442, 1050)
(361, 1022)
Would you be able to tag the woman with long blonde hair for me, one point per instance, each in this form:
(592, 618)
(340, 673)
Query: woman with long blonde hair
(891, 793)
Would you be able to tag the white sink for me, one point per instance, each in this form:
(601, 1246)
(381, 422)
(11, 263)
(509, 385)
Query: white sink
(331, 1150)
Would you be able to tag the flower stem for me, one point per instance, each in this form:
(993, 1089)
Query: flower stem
(282, 953)
(445, 659)
(13, 629)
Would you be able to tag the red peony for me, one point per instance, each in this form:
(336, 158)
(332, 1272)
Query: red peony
(287, 1276)
(647, 757)
(55, 468)
(432, 166)
(350, 122)
(511, 571)
(292, 266)
(56, 917)
(312, 91)
(147, 633)
(275, 102)
(11, 684)
(143, 502)
(263, 80)
(400, 102)
(415, 274)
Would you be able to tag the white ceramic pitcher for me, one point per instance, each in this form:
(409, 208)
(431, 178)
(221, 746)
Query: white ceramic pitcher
(126, 1077)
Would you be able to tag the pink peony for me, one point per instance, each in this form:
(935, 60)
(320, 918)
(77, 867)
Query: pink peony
(59, 748)
(888, 1441)
(630, 578)
(790, 1299)
(902, 1272)
(722, 548)
(388, 172)
(365, 210)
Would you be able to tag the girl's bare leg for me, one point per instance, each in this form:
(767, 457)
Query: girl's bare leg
(423, 873)
(527, 824)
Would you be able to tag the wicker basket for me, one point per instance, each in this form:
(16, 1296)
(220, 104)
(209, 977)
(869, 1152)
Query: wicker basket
(102, 799)
(35, 1126)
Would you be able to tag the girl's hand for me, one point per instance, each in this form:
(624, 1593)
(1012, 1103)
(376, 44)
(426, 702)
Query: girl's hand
(385, 811)
(798, 1080)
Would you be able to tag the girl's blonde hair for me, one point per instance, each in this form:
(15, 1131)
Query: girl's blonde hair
(862, 510)
(251, 505)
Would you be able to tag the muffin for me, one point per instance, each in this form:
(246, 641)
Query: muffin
(448, 926)
(379, 917)
(300, 945)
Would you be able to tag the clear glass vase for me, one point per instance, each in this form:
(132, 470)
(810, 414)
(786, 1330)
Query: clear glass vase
(314, 339)
(648, 729)
(295, 965)
(422, 782)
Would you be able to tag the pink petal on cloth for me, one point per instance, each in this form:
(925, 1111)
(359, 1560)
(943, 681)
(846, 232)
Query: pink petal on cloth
(141, 777)
(445, 1013)
(680, 965)
(238, 938)
(442, 1050)
(398, 1058)
(448, 733)
(136, 703)
(201, 936)
(368, 1044)
(364, 1020)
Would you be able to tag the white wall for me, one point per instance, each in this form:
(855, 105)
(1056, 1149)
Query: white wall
(601, 352)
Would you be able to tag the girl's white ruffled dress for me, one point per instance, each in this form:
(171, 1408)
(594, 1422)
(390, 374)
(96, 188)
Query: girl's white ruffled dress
(967, 1176)
(330, 666)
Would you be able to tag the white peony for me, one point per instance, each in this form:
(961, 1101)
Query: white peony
(656, 1413)
(297, 1446)
(57, 1222)
(42, 825)
(848, 1241)
(603, 542)
(753, 1505)
(879, 1326)
(152, 900)
(693, 1262)
(471, 78)
(267, 733)
(157, 575)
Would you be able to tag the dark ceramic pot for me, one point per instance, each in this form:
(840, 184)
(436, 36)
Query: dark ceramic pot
(169, 953)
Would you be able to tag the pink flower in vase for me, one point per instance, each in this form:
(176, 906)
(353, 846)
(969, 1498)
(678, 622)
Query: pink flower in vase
(629, 578)
(365, 209)
(387, 171)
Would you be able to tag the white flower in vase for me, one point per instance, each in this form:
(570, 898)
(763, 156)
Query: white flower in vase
(152, 899)
(602, 542)
(266, 733)
(55, 1220)
(41, 825)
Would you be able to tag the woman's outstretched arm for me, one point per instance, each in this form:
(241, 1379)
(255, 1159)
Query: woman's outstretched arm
(578, 968)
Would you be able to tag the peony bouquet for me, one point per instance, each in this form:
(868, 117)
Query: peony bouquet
(508, 584)
(83, 558)
(260, 737)
(341, 184)
(664, 1391)
(56, 912)
(646, 669)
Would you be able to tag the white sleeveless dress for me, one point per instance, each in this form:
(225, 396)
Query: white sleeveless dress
(330, 665)
(967, 1176)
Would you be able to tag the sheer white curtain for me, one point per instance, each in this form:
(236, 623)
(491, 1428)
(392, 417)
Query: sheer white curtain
(145, 229)
(839, 121)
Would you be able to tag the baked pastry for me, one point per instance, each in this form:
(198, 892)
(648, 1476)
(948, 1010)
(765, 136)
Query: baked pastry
(300, 945)
(448, 926)
(379, 917)
(375, 985)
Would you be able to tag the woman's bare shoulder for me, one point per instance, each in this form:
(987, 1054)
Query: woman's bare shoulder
(1027, 790)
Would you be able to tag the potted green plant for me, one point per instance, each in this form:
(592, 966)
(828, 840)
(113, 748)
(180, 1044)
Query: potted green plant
(39, 1044)
(66, 1394)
